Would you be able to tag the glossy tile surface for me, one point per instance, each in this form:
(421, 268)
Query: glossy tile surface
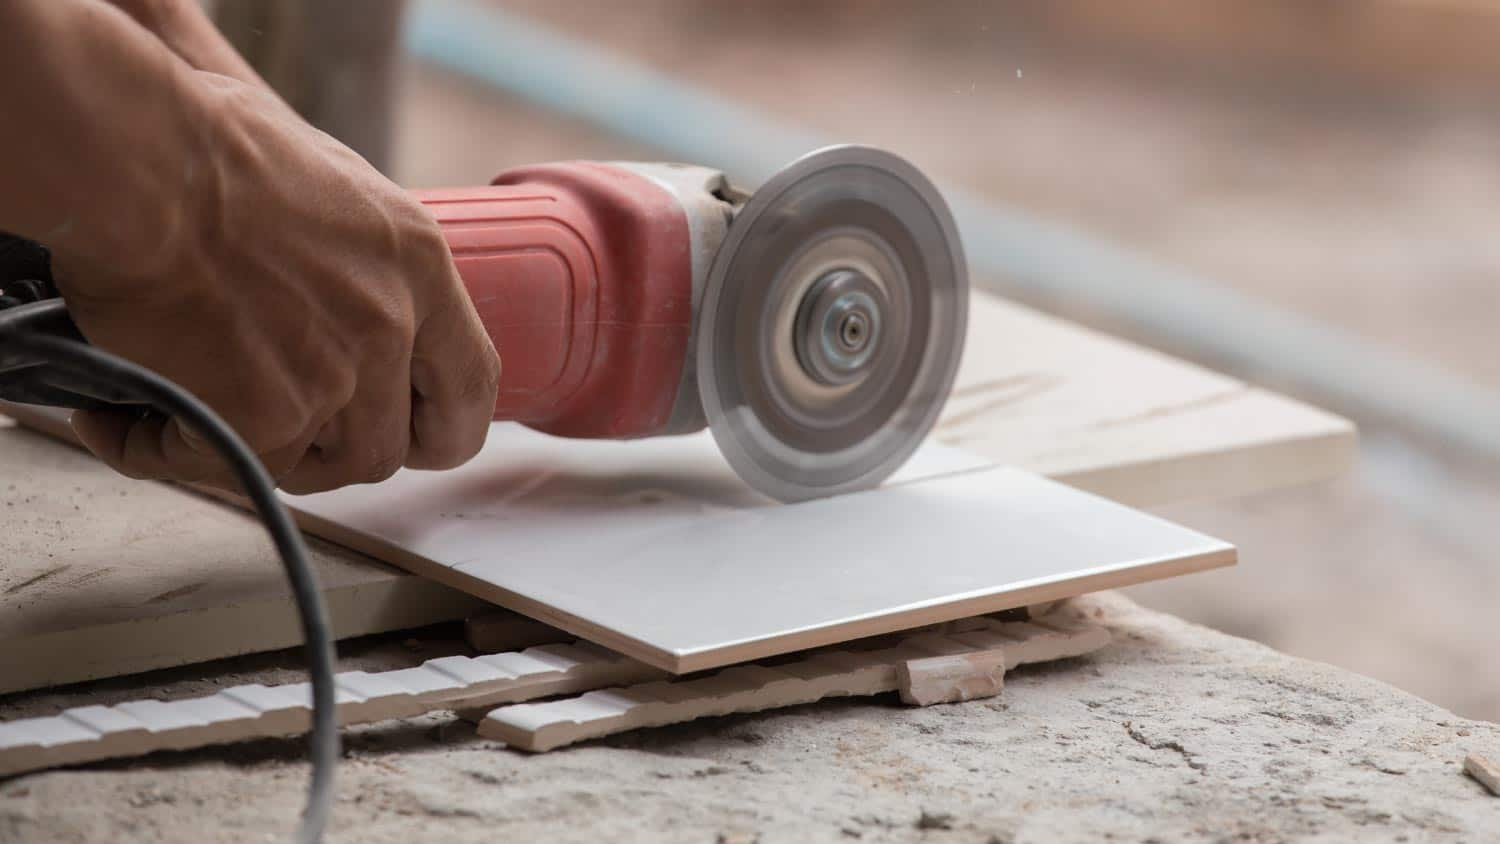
(656, 549)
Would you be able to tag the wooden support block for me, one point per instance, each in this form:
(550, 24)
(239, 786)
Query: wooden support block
(949, 679)
(1485, 771)
(1042, 640)
(92, 733)
(503, 630)
(822, 674)
(540, 727)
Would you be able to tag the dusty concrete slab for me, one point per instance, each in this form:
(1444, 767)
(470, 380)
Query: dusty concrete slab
(1173, 732)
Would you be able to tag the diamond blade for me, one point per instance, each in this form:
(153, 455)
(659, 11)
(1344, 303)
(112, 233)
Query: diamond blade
(832, 324)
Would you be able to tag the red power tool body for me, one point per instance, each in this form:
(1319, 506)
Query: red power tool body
(815, 326)
(582, 273)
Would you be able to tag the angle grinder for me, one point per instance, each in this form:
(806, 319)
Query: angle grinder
(815, 326)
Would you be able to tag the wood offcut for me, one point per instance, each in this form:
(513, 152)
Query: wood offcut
(952, 678)
(1486, 772)
(834, 672)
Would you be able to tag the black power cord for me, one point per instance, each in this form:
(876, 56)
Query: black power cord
(40, 349)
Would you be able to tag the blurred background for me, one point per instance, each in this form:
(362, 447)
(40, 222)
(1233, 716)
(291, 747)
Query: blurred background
(1302, 193)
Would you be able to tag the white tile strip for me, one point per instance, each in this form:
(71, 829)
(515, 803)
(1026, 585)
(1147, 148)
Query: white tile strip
(92, 733)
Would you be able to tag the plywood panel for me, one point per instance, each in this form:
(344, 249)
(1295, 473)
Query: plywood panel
(1126, 422)
(102, 576)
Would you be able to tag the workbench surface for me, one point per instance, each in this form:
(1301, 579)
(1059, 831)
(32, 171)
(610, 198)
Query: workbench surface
(1173, 732)
(104, 576)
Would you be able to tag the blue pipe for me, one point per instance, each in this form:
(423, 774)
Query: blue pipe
(1011, 250)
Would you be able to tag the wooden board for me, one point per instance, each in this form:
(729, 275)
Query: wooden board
(1126, 422)
(158, 576)
(102, 576)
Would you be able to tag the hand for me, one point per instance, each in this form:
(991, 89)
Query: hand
(303, 296)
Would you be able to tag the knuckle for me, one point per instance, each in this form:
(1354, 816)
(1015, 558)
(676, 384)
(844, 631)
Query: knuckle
(436, 460)
(269, 414)
(420, 252)
(268, 435)
(482, 381)
(395, 316)
(421, 237)
(469, 449)
(494, 368)
(429, 456)
(381, 466)
(455, 450)
(383, 324)
(443, 458)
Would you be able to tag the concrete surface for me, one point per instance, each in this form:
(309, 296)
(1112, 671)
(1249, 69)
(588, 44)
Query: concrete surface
(1173, 732)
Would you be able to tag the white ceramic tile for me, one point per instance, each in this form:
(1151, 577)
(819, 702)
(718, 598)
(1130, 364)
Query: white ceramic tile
(656, 549)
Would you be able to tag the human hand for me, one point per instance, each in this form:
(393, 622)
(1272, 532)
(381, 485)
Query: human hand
(311, 302)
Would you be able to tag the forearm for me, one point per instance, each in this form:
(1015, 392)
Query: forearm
(104, 148)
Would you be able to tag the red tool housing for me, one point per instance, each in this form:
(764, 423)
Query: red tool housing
(582, 275)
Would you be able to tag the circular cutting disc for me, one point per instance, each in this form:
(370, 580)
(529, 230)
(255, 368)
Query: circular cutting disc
(832, 324)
